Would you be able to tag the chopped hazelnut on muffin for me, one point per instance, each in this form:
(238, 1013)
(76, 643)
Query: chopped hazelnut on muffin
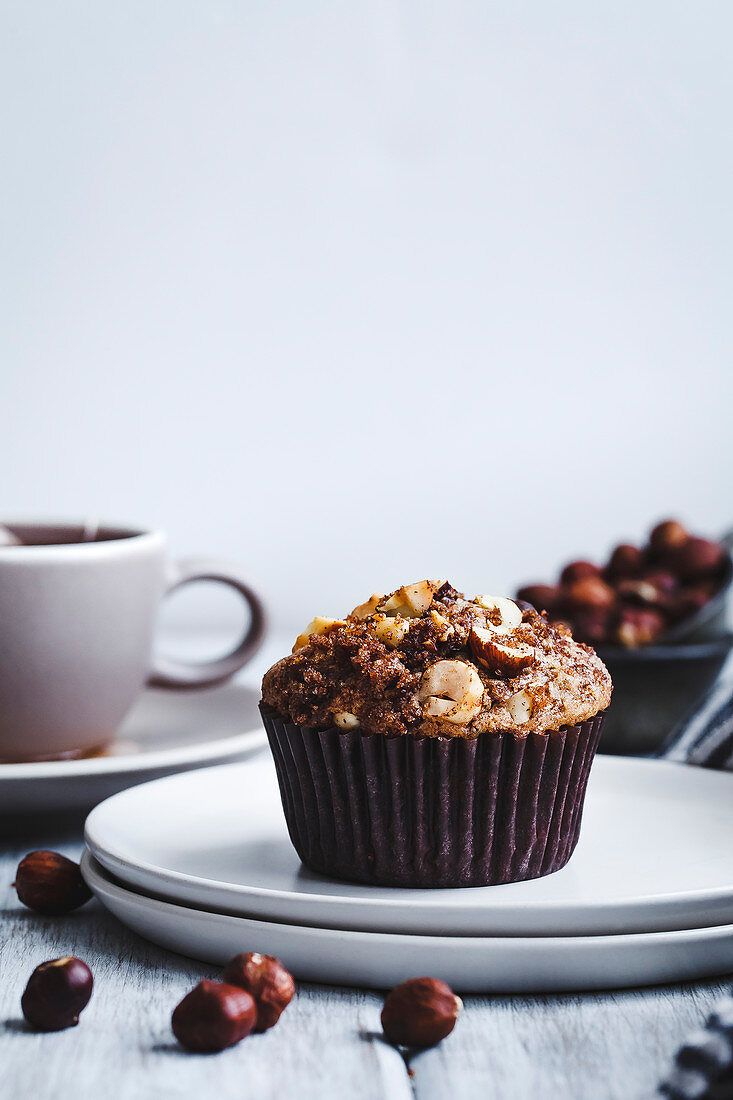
(427, 662)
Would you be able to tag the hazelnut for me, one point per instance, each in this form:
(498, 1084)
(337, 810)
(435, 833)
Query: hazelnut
(345, 720)
(50, 883)
(592, 626)
(654, 590)
(266, 980)
(452, 690)
(443, 624)
(696, 558)
(412, 600)
(687, 603)
(391, 629)
(625, 561)
(543, 597)
(520, 706)
(504, 615)
(500, 658)
(578, 571)
(56, 993)
(667, 536)
(665, 583)
(420, 1012)
(319, 625)
(637, 591)
(590, 592)
(639, 626)
(214, 1015)
(364, 610)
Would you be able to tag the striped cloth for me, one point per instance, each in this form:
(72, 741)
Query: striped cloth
(705, 737)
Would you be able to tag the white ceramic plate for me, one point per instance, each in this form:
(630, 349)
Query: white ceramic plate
(655, 853)
(482, 964)
(166, 731)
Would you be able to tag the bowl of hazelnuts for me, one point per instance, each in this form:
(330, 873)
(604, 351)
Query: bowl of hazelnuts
(656, 615)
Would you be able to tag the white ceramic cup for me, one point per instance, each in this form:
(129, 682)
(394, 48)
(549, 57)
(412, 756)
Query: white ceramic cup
(76, 633)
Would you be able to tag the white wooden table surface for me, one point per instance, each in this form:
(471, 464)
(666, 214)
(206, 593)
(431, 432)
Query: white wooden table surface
(327, 1045)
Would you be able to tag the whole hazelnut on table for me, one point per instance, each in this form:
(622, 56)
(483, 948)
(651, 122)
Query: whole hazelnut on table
(420, 1012)
(265, 978)
(578, 571)
(56, 993)
(50, 883)
(213, 1016)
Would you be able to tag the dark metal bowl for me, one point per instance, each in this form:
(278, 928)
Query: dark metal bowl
(654, 688)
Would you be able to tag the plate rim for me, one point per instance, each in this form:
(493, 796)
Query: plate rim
(99, 875)
(430, 899)
(253, 736)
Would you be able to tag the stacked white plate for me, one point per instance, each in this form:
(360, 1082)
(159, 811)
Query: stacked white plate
(201, 863)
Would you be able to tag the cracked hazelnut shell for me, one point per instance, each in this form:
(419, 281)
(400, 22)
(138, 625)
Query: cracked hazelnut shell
(51, 884)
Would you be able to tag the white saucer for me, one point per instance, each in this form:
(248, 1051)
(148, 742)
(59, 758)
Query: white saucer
(655, 853)
(499, 965)
(166, 731)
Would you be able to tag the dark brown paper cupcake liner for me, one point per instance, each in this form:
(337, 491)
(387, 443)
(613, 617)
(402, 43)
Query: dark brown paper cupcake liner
(432, 811)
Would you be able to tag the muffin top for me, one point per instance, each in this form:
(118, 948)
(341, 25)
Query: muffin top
(427, 662)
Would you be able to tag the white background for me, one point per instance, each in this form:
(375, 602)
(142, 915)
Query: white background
(359, 293)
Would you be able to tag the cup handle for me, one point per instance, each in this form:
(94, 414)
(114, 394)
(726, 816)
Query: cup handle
(170, 673)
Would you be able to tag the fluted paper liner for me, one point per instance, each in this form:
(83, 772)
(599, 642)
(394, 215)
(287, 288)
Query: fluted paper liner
(432, 811)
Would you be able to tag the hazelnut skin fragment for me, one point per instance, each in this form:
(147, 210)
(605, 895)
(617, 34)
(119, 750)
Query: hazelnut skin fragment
(213, 1016)
(51, 884)
(420, 1012)
(266, 980)
(57, 991)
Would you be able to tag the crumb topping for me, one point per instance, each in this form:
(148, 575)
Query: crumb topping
(425, 661)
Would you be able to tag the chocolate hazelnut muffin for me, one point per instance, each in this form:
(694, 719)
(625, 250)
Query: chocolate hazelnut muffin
(430, 740)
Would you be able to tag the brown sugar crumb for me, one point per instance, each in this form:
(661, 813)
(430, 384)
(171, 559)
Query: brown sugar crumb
(425, 661)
